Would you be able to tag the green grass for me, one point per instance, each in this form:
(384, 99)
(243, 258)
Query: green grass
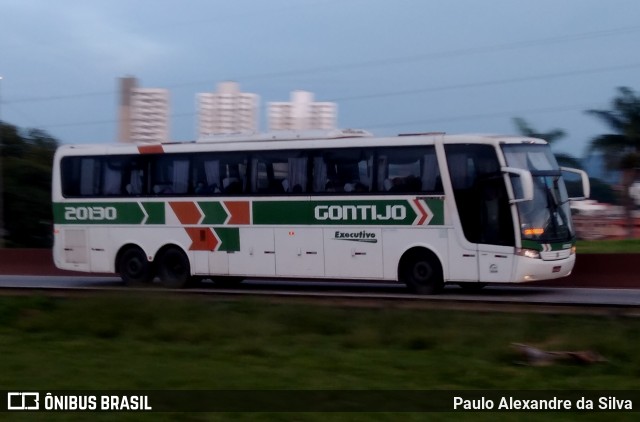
(609, 246)
(169, 343)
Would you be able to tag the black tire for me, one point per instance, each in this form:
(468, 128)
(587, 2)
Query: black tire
(421, 272)
(173, 268)
(134, 267)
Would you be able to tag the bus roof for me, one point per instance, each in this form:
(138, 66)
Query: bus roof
(294, 140)
(286, 135)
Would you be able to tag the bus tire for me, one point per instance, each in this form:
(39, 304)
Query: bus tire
(134, 267)
(173, 266)
(421, 271)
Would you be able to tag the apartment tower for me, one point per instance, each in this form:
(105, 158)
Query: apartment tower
(227, 111)
(302, 113)
(144, 113)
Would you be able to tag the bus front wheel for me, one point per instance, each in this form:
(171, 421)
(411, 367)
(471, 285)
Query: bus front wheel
(134, 267)
(173, 268)
(421, 271)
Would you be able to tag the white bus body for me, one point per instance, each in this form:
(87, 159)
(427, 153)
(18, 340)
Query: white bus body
(423, 209)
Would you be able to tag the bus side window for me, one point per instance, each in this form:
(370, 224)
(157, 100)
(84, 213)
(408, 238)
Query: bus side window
(408, 170)
(206, 175)
(280, 173)
(346, 170)
(233, 173)
(319, 176)
(81, 176)
(112, 176)
(170, 174)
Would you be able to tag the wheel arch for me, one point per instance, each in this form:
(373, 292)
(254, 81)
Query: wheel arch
(421, 270)
(420, 249)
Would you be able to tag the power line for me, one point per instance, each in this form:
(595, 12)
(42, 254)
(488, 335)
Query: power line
(371, 63)
(451, 53)
(480, 116)
(489, 83)
(412, 91)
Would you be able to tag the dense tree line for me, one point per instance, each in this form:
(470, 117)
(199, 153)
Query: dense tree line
(27, 157)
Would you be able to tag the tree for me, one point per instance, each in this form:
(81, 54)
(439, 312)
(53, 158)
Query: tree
(27, 158)
(621, 147)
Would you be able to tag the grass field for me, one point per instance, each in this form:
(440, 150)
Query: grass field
(609, 246)
(171, 343)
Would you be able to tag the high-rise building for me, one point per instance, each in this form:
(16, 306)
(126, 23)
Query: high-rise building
(144, 113)
(302, 113)
(227, 110)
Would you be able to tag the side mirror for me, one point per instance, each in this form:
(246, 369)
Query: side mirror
(526, 183)
(586, 187)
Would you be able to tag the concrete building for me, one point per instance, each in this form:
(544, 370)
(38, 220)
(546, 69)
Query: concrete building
(227, 110)
(302, 113)
(144, 113)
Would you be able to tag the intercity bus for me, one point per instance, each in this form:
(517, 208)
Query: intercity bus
(420, 209)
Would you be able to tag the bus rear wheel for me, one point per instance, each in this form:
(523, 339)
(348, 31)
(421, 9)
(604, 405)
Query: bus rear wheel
(173, 266)
(134, 267)
(422, 273)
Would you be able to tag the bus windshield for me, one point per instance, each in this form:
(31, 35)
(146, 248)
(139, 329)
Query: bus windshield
(547, 218)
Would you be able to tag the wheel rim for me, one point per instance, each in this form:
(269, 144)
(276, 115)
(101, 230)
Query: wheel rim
(134, 267)
(422, 272)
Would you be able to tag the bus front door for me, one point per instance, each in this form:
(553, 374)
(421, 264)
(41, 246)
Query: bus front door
(483, 207)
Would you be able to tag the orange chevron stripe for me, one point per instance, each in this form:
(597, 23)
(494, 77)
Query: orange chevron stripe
(187, 212)
(150, 149)
(201, 239)
(240, 212)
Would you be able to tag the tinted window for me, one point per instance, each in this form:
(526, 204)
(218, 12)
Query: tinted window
(343, 171)
(169, 174)
(80, 176)
(103, 176)
(408, 170)
(346, 171)
(219, 173)
(279, 172)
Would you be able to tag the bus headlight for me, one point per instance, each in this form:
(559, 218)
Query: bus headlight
(573, 250)
(528, 253)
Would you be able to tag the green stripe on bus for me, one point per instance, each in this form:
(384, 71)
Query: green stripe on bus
(349, 212)
(155, 211)
(229, 238)
(436, 205)
(382, 212)
(107, 213)
(214, 212)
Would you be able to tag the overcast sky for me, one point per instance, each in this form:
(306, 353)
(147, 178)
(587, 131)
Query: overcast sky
(393, 66)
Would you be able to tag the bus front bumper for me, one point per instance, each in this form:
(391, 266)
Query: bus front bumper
(532, 269)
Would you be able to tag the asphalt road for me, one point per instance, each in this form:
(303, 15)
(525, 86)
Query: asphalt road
(491, 294)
